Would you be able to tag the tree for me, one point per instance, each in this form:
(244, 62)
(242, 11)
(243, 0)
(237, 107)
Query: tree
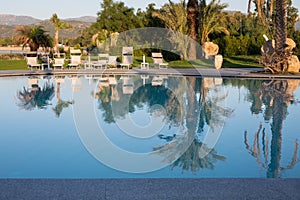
(116, 17)
(58, 25)
(211, 19)
(35, 37)
(174, 17)
(280, 26)
(193, 24)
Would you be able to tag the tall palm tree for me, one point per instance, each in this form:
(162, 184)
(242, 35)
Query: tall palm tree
(58, 25)
(35, 37)
(193, 23)
(281, 26)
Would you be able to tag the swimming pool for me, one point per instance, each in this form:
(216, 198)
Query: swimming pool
(143, 126)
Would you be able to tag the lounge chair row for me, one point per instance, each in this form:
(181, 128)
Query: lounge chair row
(104, 61)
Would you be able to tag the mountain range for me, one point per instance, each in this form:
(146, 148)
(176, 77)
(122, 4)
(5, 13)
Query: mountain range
(6, 19)
(298, 25)
(8, 24)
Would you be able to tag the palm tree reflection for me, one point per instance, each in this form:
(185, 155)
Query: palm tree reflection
(276, 96)
(35, 97)
(61, 104)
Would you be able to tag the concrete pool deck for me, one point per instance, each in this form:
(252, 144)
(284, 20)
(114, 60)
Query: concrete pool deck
(226, 72)
(201, 188)
(181, 189)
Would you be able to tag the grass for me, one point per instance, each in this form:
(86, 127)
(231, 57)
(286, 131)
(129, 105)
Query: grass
(241, 62)
(13, 65)
(229, 62)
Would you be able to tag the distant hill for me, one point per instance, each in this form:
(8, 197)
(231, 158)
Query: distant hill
(26, 20)
(17, 20)
(298, 25)
(8, 24)
(83, 19)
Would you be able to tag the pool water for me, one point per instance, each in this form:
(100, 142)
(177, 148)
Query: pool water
(143, 126)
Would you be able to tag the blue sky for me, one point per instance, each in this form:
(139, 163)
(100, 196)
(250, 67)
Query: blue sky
(44, 9)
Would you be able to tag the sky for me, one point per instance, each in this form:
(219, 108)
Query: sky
(43, 9)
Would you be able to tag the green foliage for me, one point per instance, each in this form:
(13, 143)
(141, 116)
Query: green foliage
(116, 17)
(34, 36)
(5, 42)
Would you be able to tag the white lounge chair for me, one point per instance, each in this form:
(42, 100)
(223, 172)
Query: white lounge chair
(32, 61)
(102, 61)
(127, 57)
(58, 61)
(75, 59)
(112, 61)
(158, 60)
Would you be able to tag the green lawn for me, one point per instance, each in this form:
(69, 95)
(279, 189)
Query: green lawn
(13, 65)
(241, 61)
(229, 62)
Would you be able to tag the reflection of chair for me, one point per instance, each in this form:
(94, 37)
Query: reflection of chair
(157, 81)
(58, 61)
(102, 61)
(75, 59)
(158, 60)
(32, 61)
(127, 57)
(127, 85)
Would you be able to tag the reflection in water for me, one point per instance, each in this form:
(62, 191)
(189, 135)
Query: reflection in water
(190, 111)
(35, 96)
(191, 105)
(276, 95)
(61, 104)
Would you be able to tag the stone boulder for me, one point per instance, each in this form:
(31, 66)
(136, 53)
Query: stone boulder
(218, 61)
(293, 64)
(210, 49)
(269, 47)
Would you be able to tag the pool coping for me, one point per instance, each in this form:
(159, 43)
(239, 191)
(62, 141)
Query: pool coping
(224, 188)
(226, 72)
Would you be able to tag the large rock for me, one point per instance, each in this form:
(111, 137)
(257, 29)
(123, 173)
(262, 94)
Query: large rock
(218, 61)
(293, 64)
(210, 49)
(269, 47)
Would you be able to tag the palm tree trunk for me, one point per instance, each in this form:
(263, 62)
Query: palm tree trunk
(56, 43)
(281, 26)
(249, 6)
(193, 23)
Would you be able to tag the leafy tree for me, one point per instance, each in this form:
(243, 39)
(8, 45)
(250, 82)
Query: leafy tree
(35, 37)
(116, 17)
(58, 25)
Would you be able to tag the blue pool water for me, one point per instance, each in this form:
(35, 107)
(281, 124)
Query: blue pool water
(135, 126)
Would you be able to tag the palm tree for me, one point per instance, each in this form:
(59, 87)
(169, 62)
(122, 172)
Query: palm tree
(35, 37)
(174, 17)
(193, 23)
(281, 26)
(211, 19)
(58, 25)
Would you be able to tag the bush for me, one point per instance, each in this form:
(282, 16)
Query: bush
(239, 45)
